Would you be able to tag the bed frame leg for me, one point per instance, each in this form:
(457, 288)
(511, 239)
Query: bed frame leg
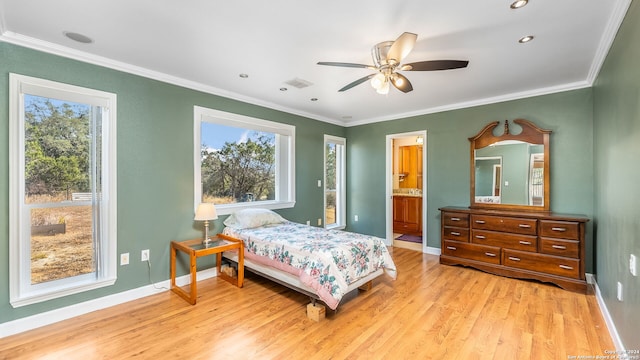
(315, 312)
(366, 286)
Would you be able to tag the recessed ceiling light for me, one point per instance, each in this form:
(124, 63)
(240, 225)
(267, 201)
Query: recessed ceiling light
(283, 89)
(244, 76)
(526, 39)
(78, 37)
(519, 3)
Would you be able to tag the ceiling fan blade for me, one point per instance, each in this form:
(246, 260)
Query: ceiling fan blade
(402, 47)
(357, 82)
(432, 65)
(401, 82)
(341, 64)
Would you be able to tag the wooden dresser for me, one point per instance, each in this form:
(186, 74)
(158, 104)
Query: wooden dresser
(528, 245)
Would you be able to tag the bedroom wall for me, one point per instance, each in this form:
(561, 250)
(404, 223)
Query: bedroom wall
(617, 149)
(567, 114)
(155, 175)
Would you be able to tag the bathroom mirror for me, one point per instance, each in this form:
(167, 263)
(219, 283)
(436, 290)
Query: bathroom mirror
(510, 171)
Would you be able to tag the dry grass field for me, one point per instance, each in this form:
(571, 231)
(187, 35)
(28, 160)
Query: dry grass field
(60, 256)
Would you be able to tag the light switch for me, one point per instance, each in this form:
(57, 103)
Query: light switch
(319, 183)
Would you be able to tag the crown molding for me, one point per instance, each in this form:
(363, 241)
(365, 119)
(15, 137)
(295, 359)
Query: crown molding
(609, 35)
(479, 102)
(613, 25)
(50, 48)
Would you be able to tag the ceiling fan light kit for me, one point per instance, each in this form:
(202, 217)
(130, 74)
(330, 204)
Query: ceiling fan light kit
(387, 58)
(518, 4)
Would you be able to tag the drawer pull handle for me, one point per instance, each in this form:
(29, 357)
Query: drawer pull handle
(452, 248)
(525, 242)
(566, 267)
(480, 221)
(455, 219)
(482, 237)
(513, 258)
(561, 247)
(525, 226)
(560, 229)
(490, 254)
(455, 233)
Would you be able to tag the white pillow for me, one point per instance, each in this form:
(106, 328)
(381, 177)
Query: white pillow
(252, 218)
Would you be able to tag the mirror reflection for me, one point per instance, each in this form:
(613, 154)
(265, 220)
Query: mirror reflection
(510, 172)
(488, 179)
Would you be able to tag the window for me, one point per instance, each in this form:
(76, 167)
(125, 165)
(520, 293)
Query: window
(334, 182)
(241, 161)
(62, 189)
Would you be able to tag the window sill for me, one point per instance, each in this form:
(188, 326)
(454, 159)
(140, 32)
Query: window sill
(49, 294)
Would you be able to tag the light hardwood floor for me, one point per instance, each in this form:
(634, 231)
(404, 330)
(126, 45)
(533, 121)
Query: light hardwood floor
(431, 311)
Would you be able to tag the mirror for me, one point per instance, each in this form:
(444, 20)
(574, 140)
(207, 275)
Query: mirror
(510, 171)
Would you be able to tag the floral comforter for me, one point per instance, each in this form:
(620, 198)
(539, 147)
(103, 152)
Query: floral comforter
(325, 260)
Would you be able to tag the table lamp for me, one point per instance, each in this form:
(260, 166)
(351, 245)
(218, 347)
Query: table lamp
(206, 212)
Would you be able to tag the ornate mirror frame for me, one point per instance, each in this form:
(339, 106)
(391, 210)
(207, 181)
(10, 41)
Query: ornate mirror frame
(530, 134)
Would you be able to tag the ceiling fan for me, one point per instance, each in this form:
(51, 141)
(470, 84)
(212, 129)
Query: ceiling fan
(387, 60)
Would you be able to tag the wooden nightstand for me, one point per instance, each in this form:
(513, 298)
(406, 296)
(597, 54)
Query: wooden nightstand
(195, 249)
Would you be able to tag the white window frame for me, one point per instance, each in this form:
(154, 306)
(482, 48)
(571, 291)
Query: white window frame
(285, 157)
(22, 292)
(341, 182)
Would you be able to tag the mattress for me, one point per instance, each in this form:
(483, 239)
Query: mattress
(329, 263)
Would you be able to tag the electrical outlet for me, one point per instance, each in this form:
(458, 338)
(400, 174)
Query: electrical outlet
(319, 222)
(633, 265)
(124, 259)
(619, 291)
(319, 183)
(355, 218)
(144, 255)
(309, 222)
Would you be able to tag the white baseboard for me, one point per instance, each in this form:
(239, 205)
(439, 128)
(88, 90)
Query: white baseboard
(53, 316)
(432, 251)
(611, 326)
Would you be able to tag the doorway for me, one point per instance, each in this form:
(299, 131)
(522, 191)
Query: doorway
(406, 185)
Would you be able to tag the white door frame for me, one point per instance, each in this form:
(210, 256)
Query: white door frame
(389, 185)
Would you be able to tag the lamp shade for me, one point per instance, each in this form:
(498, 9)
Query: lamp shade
(206, 211)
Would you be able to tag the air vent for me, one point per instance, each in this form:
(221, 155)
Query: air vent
(299, 83)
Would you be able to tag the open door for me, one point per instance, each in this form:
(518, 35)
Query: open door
(406, 203)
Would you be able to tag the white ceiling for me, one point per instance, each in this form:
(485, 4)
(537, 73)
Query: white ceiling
(206, 44)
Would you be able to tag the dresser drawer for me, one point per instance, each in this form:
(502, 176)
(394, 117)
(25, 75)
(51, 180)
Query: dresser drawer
(505, 224)
(548, 264)
(488, 254)
(559, 229)
(552, 246)
(505, 240)
(456, 233)
(455, 219)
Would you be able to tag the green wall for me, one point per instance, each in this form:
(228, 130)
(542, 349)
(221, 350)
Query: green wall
(596, 135)
(155, 171)
(568, 115)
(617, 149)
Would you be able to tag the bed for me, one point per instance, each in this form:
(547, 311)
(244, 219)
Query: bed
(324, 264)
